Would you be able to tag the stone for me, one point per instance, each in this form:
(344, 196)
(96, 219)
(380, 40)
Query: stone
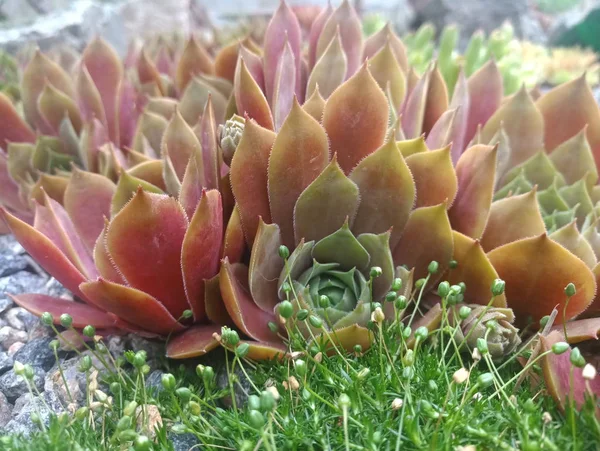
(5, 304)
(75, 381)
(12, 255)
(21, 319)
(242, 388)
(45, 406)
(152, 420)
(6, 362)
(39, 330)
(184, 442)
(5, 410)
(10, 335)
(155, 350)
(153, 381)
(21, 282)
(14, 348)
(13, 385)
(37, 353)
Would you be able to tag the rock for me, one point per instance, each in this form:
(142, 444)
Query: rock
(39, 330)
(147, 425)
(37, 353)
(184, 442)
(5, 304)
(44, 406)
(14, 348)
(76, 381)
(14, 386)
(6, 362)
(5, 410)
(155, 350)
(12, 255)
(21, 319)
(54, 288)
(487, 15)
(153, 382)
(117, 344)
(10, 335)
(21, 282)
(241, 388)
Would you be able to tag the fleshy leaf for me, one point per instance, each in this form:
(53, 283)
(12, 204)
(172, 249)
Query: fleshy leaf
(343, 248)
(539, 170)
(201, 250)
(387, 71)
(54, 105)
(346, 338)
(434, 177)
(378, 247)
(566, 110)
(265, 266)
(580, 329)
(132, 305)
(82, 314)
(106, 70)
(475, 172)
(574, 159)
(330, 70)
(529, 290)
(103, 260)
(431, 320)
(151, 171)
(426, 237)
(180, 143)
(410, 147)
(356, 117)
(475, 270)
(87, 201)
(46, 253)
(315, 105)
(246, 315)
(193, 342)
(461, 101)
(570, 238)
(13, 128)
(193, 61)
(344, 19)
(53, 185)
(282, 96)
(386, 36)
(315, 33)
(436, 100)
(413, 110)
(126, 188)
(300, 153)
(249, 98)
(144, 240)
(523, 124)
(387, 192)
(207, 129)
(283, 30)
(194, 99)
(234, 243)
(325, 204)
(512, 219)
(485, 95)
(577, 194)
(561, 377)
(150, 127)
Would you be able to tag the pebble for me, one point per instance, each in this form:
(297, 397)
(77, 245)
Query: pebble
(37, 353)
(10, 335)
(14, 348)
(184, 442)
(6, 362)
(44, 406)
(21, 319)
(5, 304)
(154, 381)
(5, 410)
(14, 386)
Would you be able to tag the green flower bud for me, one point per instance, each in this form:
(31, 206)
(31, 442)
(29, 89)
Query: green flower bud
(28, 372)
(409, 358)
(433, 267)
(54, 345)
(286, 309)
(482, 346)
(498, 286)
(195, 408)
(208, 375)
(544, 321)
(82, 413)
(406, 332)
(142, 443)
(115, 388)
(408, 372)
(560, 347)
(432, 385)
(453, 264)
(443, 289)
(66, 320)
(570, 290)
(302, 314)
(300, 366)
(463, 287)
(315, 321)
(184, 394)
(273, 327)
(485, 380)
(529, 406)
(124, 423)
(139, 359)
(35, 418)
(256, 419)
(344, 401)
(46, 319)
(358, 349)
(400, 302)
(85, 363)
(286, 287)
(187, 314)
(242, 350)
(232, 337)
(127, 435)
(130, 408)
(375, 272)
(267, 401)
(324, 301)
(89, 331)
(168, 381)
(421, 333)
(397, 284)
(464, 312)
(576, 358)
(390, 296)
(253, 402)
(419, 283)
(284, 252)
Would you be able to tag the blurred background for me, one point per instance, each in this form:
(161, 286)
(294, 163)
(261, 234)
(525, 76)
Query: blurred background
(535, 42)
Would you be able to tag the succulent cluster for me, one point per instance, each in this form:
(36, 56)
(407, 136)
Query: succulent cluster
(298, 186)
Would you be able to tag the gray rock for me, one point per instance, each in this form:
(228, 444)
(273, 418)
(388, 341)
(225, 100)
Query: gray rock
(37, 353)
(117, 344)
(9, 336)
(155, 350)
(54, 288)
(45, 406)
(241, 387)
(14, 386)
(14, 348)
(39, 330)
(184, 442)
(153, 381)
(5, 304)
(21, 282)
(21, 319)
(6, 362)
(12, 255)
(5, 410)
(76, 381)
